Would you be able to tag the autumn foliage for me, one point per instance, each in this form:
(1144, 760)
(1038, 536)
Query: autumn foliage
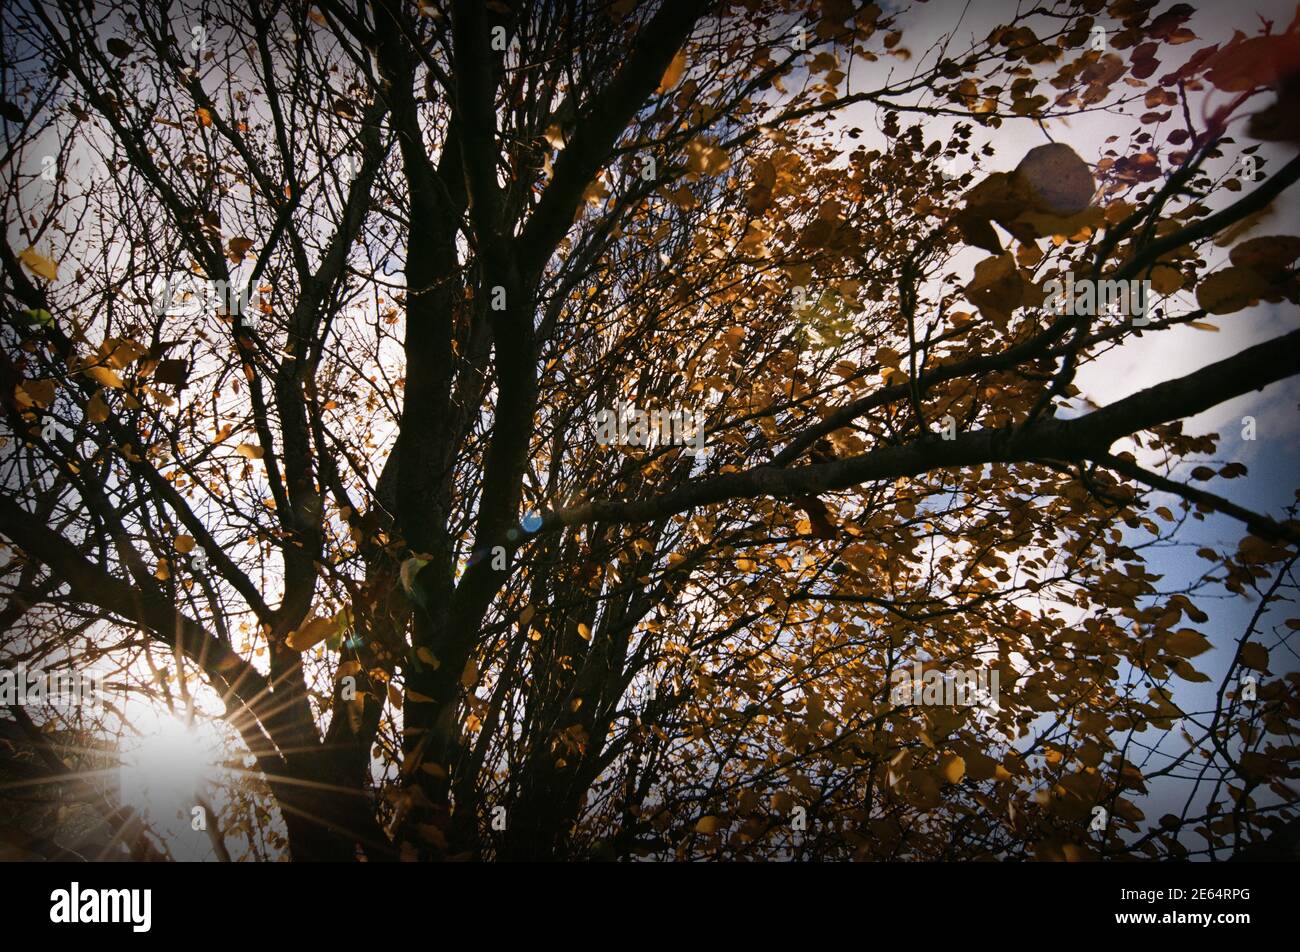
(355, 508)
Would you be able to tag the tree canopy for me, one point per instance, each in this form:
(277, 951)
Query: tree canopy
(558, 430)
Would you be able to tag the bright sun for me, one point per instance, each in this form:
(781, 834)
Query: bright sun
(165, 768)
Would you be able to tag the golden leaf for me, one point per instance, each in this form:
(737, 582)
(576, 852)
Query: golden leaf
(673, 74)
(39, 264)
(953, 768)
(119, 353)
(310, 634)
(105, 377)
(96, 410)
(39, 393)
(1187, 643)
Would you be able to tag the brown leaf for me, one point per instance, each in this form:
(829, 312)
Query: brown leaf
(38, 393)
(1228, 290)
(1269, 256)
(237, 248)
(1166, 279)
(1059, 181)
(1254, 655)
(172, 371)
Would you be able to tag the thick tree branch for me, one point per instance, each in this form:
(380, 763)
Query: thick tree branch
(1086, 437)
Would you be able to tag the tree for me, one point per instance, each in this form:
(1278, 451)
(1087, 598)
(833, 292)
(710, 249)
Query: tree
(312, 312)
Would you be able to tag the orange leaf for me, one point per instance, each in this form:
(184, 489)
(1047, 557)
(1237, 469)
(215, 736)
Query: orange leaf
(673, 74)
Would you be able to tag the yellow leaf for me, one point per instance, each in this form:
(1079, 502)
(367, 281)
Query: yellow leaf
(119, 353)
(163, 572)
(250, 451)
(395, 696)
(707, 825)
(706, 158)
(953, 768)
(310, 634)
(184, 543)
(204, 116)
(38, 263)
(105, 377)
(673, 74)
(584, 632)
(425, 655)
(554, 135)
(97, 409)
